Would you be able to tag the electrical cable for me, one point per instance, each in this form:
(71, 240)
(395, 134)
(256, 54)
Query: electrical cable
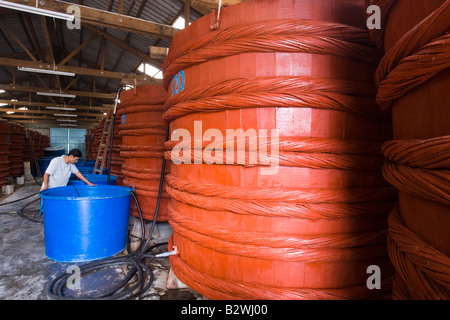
(136, 259)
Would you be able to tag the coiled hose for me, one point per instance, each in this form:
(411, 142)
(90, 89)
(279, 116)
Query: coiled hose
(135, 259)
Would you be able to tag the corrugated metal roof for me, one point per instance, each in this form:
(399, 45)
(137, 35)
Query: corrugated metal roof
(16, 26)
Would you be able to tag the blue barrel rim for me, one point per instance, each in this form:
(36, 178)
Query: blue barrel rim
(43, 195)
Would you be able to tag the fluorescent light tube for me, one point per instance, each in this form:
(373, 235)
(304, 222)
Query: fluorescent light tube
(64, 115)
(36, 10)
(68, 125)
(66, 120)
(49, 71)
(55, 94)
(60, 108)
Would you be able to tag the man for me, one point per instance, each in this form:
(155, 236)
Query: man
(60, 168)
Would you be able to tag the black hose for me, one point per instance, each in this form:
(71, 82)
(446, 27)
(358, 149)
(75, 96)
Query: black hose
(76, 190)
(17, 200)
(33, 215)
(136, 259)
(158, 202)
(111, 138)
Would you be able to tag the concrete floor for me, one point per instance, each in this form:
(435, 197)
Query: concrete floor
(25, 271)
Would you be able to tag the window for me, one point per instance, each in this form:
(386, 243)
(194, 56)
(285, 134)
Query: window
(150, 70)
(179, 23)
(68, 139)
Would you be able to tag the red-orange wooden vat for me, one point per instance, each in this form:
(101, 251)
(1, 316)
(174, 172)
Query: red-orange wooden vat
(34, 140)
(17, 136)
(420, 114)
(238, 233)
(116, 159)
(143, 134)
(39, 142)
(4, 151)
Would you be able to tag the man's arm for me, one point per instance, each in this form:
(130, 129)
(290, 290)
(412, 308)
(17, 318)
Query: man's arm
(51, 169)
(46, 178)
(81, 177)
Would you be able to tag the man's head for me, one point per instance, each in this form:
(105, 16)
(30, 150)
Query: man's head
(74, 155)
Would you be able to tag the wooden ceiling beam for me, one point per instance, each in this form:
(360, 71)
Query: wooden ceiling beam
(107, 19)
(213, 4)
(80, 124)
(79, 48)
(101, 108)
(77, 93)
(77, 70)
(205, 7)
(49, 115)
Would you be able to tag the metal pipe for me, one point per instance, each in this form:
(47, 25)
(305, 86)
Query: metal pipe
(112, 130)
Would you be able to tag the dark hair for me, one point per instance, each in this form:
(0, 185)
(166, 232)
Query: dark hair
(76, 153)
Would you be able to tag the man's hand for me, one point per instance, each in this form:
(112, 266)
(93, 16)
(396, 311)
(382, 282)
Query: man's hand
(83, 178)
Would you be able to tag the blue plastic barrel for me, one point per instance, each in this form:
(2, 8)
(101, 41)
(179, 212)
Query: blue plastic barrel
(84, 223)
(87, 171)
(94, 178)
(84, 170)
(87, 163)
